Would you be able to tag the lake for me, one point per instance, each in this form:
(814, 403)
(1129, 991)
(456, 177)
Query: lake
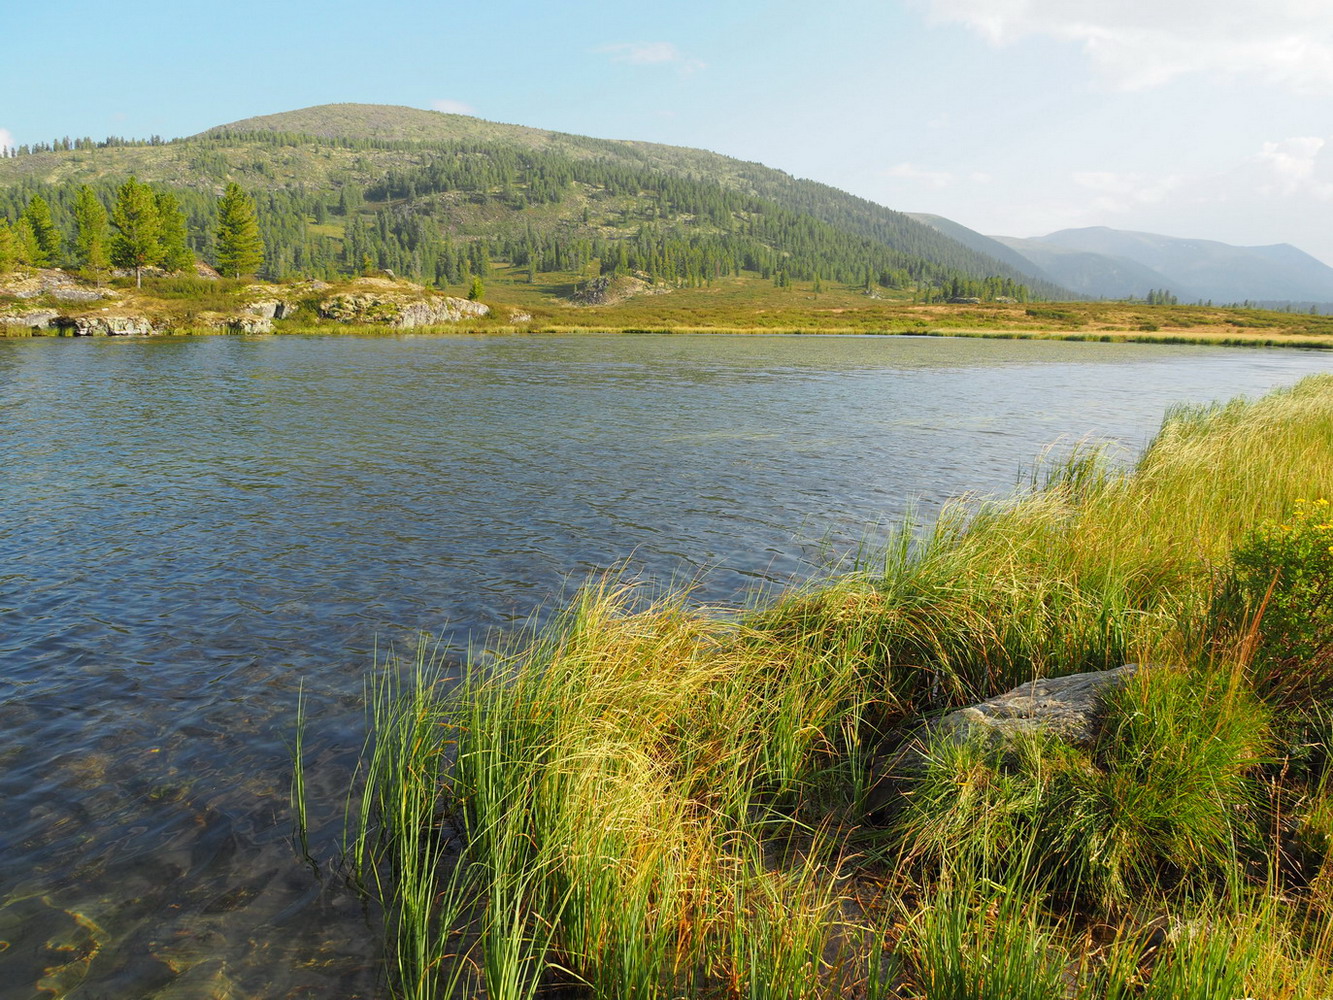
(194, 528)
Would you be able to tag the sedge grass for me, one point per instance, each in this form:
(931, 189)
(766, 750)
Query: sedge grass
(651, 800)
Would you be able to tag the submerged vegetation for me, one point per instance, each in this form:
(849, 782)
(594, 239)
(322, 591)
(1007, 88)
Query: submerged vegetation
(650, 799)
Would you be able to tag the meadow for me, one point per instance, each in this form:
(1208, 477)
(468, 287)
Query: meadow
(747, 304)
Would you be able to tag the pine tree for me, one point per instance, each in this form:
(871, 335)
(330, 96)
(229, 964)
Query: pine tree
(176, 254)
(476, 290)
(25, 243)
(137, 243)
(9, 247)
(38, 216)
(240, 248)
(92, 235)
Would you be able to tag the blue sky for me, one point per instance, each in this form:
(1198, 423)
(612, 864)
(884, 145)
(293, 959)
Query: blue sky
(1017, 117)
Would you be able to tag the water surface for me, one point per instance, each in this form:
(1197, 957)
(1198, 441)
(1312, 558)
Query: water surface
(193, 527)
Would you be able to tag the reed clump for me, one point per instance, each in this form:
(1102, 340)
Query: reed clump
(657, 800)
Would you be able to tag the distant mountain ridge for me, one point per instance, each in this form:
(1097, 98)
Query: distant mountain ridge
(1206, 269)
(1100, 262)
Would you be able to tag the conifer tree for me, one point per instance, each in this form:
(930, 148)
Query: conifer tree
(47, 237)
(240, 248)
(476, 290)
(92, 235)
(9, 248)
(176, 254)
(137, 243)
(25, 243)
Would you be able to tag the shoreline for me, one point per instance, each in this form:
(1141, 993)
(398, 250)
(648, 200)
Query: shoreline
(1176, 338)
(656, 801)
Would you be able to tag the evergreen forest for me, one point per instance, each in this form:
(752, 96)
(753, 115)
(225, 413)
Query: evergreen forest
(348, 195)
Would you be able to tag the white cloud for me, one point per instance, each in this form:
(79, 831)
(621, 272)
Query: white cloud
(1115, 193)
(453, 107)
(1293, 168)
(1275, 194)
(1144, 43)
(653, 54)
(6, 138)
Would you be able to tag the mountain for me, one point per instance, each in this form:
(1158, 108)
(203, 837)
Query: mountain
(1104, 263)
(436, 196)
(1096, 275)
(1205, 269)
(991, 246)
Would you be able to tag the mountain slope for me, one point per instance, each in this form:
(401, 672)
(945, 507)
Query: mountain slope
(819, 201)
(349, 187)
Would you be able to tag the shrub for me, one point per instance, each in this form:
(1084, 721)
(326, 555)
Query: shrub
(1281, 583)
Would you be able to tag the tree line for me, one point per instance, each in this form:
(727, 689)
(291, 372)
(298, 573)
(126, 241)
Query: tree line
(138, 227)
(450, 209)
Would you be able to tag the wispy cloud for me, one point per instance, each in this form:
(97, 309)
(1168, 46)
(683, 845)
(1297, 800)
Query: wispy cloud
(653, 54)
(1295, 167)
(1144, 43)
(1114, 193)
(450, 107)
(6, 138)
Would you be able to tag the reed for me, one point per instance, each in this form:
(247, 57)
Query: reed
(651, 800)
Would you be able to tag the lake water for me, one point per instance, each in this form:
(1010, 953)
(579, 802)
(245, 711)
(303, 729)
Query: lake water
(191, 528)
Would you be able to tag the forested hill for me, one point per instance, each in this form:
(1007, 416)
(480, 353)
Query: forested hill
(433, 196)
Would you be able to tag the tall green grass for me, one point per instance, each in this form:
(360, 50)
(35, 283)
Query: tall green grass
(652, 800)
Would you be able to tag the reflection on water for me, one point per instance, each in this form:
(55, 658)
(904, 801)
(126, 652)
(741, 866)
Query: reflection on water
(192, 527)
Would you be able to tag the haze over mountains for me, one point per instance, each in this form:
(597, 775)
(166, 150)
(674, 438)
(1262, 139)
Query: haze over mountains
(1099, 262)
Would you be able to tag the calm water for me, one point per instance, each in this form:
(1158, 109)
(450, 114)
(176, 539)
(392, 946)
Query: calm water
(192, 527)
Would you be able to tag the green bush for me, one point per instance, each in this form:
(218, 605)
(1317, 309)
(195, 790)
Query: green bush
(1280, 588)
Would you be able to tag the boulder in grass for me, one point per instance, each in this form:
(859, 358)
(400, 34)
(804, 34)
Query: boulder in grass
(1062, 706)
(1066, 707)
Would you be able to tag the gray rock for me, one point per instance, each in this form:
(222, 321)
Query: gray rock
(107, 326)
(33, 318)
(76, 294)
(250, 324)
(400, 311)
(1066, 707)
(271, 308)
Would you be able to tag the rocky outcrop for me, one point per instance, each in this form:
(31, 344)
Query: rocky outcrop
(35, 319)
(262, 302)
(401, 310)
(249, 324)
(609, 289)
(271, 309)
(58, 284)
(106, 326)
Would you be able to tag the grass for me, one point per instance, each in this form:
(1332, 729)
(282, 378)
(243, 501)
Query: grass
(746, 304)
(654, 800)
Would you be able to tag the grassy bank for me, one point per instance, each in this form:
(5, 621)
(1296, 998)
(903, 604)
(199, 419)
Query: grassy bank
(734, 305)
(651, 800)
